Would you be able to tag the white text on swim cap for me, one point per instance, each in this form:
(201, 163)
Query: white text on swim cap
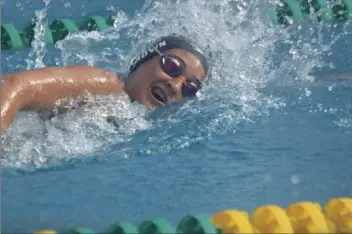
(135, 60)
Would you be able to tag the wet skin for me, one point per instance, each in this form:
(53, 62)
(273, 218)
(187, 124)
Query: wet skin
(45, 88)
(149, 81)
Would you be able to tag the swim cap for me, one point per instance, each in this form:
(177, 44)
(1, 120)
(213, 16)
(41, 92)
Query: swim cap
(167, 43)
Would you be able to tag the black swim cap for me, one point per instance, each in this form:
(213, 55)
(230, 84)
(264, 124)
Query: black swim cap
(168, 43)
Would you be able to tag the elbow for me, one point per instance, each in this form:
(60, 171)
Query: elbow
(9, 101)
(11, 93)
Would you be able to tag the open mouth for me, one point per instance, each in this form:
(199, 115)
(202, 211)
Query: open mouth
(159, 94)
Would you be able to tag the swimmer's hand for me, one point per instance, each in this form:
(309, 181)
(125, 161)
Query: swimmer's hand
(43, 88)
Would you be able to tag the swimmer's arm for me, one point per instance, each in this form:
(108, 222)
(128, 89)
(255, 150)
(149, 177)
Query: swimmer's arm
(42, 88)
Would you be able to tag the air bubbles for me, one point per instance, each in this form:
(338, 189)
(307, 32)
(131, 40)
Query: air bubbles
(332, 66)
(331, 87)
(111, 8)
(344, 122)
(307, 92)
(67, 4)
(295, 179)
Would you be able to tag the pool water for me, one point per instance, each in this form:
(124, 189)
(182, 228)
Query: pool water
(270, 126)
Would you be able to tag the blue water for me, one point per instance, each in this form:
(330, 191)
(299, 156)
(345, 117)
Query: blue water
(263, 130)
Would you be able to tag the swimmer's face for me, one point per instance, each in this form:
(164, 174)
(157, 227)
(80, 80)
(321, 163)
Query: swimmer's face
(158, 82)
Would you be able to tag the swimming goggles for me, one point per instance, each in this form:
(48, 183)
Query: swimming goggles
(174, 66)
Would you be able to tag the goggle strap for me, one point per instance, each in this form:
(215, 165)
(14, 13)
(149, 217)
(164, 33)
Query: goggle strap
(158, 52)
(183, 80)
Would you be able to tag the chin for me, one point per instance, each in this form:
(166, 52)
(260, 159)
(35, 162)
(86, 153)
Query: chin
(153, 106)
(148, 105)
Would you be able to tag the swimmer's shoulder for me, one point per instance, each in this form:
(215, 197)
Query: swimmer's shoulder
(88, 77)
(57, 83)
(106, 76)
(88, 71)
(84, 71)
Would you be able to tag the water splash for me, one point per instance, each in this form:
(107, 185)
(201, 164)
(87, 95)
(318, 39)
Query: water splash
(37, 54)
(246, 55)
(32, 142)
(344, 123)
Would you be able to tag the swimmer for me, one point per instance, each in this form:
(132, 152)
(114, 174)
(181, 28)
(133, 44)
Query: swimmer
(172, 69)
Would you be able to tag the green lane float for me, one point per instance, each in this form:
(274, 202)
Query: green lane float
(94, 23)
(111, 20)
(57, 30)
(198, 224)
(298, 217)
(81, 231)
(29, 32)
(121, 228)
(289, 11)
(61, 28)
(10, 37)
(158, 226)
(284, 13)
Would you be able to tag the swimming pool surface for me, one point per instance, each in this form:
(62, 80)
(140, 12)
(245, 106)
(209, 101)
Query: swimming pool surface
(263, 130)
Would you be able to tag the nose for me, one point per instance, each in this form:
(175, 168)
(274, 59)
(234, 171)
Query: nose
(176, 86)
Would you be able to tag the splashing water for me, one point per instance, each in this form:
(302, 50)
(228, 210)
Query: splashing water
(38, 44)
(243, 52)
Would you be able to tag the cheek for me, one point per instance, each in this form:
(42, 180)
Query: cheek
(140, 79)
(147, 75)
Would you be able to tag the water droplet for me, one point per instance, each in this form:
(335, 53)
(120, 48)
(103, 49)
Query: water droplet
(294, 179)
(111, 8)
